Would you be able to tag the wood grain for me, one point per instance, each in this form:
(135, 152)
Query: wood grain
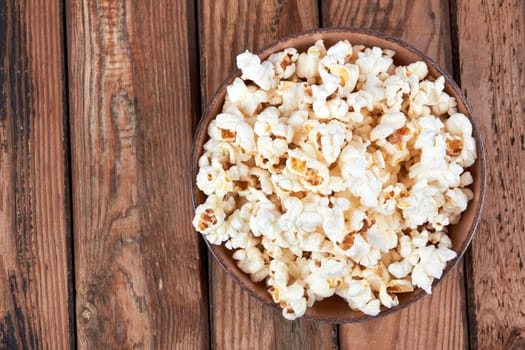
(34, 229)
(138, 268)
(438, 321)
(229, 27)
(491, 52)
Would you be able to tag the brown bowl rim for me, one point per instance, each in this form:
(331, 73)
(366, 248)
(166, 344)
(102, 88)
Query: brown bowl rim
(418, 293)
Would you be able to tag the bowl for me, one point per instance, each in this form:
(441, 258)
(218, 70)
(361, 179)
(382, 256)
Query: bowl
(335, 309)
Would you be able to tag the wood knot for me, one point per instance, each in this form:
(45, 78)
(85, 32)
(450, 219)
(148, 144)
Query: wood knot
(85, 316)
(516, 340)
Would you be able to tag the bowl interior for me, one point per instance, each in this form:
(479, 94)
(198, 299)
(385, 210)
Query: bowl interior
(335, 309)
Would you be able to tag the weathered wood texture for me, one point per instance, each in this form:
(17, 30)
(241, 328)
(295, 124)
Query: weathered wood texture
(229, 27)
(438, 321)
(33, 197)
(492, 66)
(139, 275)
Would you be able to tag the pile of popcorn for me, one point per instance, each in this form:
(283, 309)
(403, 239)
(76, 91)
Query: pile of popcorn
(335, 172)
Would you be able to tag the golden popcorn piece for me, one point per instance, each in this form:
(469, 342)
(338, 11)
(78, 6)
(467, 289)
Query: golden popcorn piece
(399, 286)
(207, 219)
(454, 146)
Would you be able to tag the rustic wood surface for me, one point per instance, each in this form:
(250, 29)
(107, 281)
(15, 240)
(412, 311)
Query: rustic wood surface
(98, 104)
(495, 83)
(426, 25)
(138, 270)
(34, 202)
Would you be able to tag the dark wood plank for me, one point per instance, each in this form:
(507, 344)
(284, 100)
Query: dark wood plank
(229, 27)
(491, 51)
(138, 268)
(437, 321)
(33, 184)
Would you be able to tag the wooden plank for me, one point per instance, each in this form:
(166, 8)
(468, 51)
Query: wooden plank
(138, 268)
(495, 80)
(229, 27)
(438, 321)
(34, 209)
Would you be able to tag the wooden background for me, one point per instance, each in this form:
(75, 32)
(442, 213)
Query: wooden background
(99, 100)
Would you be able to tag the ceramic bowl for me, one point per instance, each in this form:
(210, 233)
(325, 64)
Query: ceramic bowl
(335, 309)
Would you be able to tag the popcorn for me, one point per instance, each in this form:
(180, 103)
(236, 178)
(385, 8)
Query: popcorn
(246, 99)
(372, 62)
(419, 69)
(388, 124)
(431, 265)
(307, 66)
(251, 261)
(284, 62)
(333, 172)
(332, 137)
(460, 126)
(293, 96)
(252, 69)
(209, 220)
(382, 236)
(213, 179)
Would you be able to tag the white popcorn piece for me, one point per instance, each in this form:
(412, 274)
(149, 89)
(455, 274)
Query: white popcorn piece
(358, 295)
(247, 99)
(459, 125)
(239, 231)
(382, 236)
(251, 261)
(419, 69)
(434, 167)
(320, 94)
(387, 299)
(284, 62)
(389, 197)
(429, 126)
(389, 123)
(234, 129)
(334, 219)
(430, 91)
(366, 188)
(375, 87)
(328, 138)
(372, 62)
(223, 152)
(262, 74)
(419, 206)
(291, 298)
(313, 174)
(293, 96)
(340, 51)
(348, 75)
(266, 122)
(456, 203)
(431, 265)
(395, 87)
(209, 220)
(310, 218)
(213, 179)
(466, 179)
(353, 161)
(307, 65)
(356, 218)
(400, 269)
